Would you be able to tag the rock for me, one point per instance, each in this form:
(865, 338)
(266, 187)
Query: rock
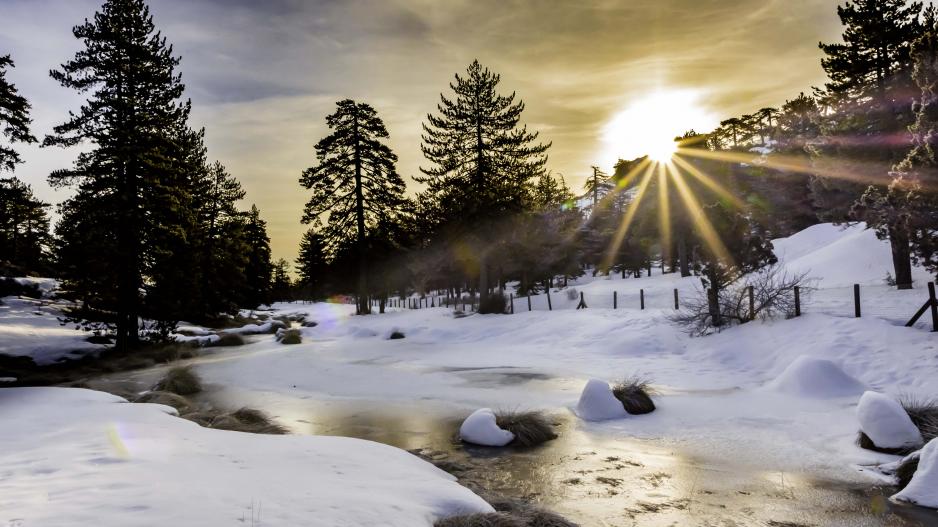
(597, 402)
(816, 378)
(480, 429)
(922, 490)
(886, 423)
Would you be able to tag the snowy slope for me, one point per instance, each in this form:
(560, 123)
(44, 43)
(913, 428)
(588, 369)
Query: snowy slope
(31, 327)
(78, 457)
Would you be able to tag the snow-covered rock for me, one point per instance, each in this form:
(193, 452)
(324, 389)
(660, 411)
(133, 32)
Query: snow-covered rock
(597, 402)
(923, 489)
(817, 378)
(480, 428)
(886, 423)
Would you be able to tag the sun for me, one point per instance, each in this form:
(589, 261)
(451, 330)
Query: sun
(648, 126)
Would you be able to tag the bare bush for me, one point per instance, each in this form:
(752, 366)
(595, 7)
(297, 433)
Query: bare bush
(773, 295)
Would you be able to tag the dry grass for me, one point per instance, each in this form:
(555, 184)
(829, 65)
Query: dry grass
(180, 380)
(290, 336)
(396, 335)
(489, 519)
(906, 470)
(248, 420)
(864, 441)
(180, 403)
(228, 339)
(635, 395)
(924, 414)
(529, 428)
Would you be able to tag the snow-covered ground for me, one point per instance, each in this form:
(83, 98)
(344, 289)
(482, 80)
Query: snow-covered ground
(79, 457)
(31, 327)
(777, 395)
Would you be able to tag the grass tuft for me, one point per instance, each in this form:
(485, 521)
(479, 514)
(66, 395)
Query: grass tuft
(906, 470)
(180, 380)
(479, 519)
(924, 414)
(635, 395)
(180, 403)
(248, 420)
(864, 441)
(395, 335)
(228, 339)
(529, 428)
(290, 336)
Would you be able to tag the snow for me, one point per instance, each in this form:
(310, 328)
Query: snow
(256, 329)
(78, 457)
(811, 377)
(480, 428)
(597, 403)
(886, 423)
(31, 328)
(46, 286)
(923, 489)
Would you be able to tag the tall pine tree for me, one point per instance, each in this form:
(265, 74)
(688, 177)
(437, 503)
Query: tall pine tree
(355, 183)
(311, 264)
(130, 118)
(482, 161)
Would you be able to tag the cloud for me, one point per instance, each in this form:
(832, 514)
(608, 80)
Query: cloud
(263, 74)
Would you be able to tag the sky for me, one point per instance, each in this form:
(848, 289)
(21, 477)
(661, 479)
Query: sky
(598, 77)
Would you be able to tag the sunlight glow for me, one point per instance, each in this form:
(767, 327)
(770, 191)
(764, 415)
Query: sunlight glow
(649, 125)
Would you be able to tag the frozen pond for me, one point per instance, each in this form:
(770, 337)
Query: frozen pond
(589, 474)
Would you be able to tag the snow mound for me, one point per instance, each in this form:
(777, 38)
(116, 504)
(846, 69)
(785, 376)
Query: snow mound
(923, 489)
(597, 403)
(111, 459)
(886, 423)
(480, 428)
(816, 378)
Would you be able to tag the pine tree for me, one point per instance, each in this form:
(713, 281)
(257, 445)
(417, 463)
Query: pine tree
(597, 186)
(280, 282)
(14, 118)
(481, 161)
(311, 264)
(24, 229)
(870, 79)
(130, 118)
(355, 183)
(258, 269)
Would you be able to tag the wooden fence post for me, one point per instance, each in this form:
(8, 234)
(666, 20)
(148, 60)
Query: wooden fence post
(529, 300)
(797, 301)
(677, 304)
(752, 304)
(582, 304)
(934, 306)
(549, 307)
(615, 300)
(856, 300)
(641, 298)
(511, 298)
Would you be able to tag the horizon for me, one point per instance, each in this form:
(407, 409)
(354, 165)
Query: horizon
(262, 77)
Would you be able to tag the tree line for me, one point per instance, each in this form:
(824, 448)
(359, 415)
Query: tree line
(152, 233)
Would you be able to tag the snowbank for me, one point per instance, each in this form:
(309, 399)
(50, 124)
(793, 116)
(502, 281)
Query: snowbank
(597, 403)
(78, 457)
(886, 423)
(923, 489)
(480, 428)
(31, 328)
(817, 378)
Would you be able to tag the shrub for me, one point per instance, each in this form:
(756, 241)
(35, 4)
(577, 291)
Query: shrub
(290, 336)
(228, 339)
(180, 380)
(529, 428)
(572, 294)
(773, 296)
(494, 303)
(635, 394)
(396, 335)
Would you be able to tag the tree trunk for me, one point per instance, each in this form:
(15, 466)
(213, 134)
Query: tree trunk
(901, 257)
(713, 300)
(682, 254)
(363, 306)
